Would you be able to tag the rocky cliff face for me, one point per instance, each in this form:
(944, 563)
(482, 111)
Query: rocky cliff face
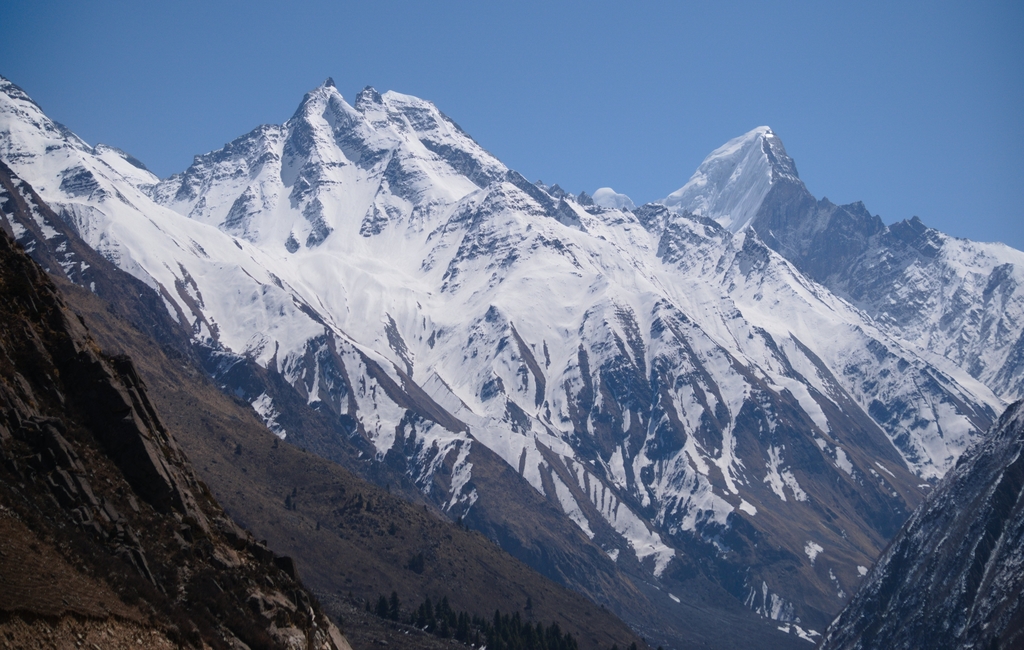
(92, 482)
(952, 577)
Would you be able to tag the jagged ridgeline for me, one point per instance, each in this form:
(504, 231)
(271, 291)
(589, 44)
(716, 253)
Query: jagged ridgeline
(107, 534)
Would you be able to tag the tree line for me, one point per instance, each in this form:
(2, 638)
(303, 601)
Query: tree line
(500, 632)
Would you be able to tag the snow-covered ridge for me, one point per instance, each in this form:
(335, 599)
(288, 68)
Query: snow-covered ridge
(952, 298)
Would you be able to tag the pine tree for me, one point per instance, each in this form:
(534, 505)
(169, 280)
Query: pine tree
(428, 612)
(393, 606)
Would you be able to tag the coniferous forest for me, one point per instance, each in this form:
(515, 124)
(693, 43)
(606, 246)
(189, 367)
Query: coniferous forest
(500, 632)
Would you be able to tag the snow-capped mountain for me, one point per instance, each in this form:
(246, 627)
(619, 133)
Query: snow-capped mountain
(689, 399)
(734, 180)
(953, 576)
(954, 298)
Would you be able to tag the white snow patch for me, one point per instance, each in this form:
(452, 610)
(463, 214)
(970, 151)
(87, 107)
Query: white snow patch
(812, 550)
(264, 407)
(674, 598)
(461, 474)
(806, 635)
(49, 232)
(747, 507)
(843, 462)
(772, 605)
(570, 507)
(618, 468)
(835, 581)
(18, 229)
(777, 478)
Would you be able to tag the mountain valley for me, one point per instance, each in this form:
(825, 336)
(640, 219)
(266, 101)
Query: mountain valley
(708, 415)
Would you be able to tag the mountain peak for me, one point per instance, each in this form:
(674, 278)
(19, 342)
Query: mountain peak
(369, 98)
(773, 149)
(733, 180)
(314, 100)
(10, 88)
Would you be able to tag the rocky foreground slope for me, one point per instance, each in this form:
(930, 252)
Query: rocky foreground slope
(954, 575)
(106, 530)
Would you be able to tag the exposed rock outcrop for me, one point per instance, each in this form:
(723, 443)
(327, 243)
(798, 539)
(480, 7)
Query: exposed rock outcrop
(954, 575)
(97, 496)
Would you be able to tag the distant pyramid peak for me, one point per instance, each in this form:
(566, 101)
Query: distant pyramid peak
(733, 180)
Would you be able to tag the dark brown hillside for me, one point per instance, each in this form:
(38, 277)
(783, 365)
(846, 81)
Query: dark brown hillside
(105, 527)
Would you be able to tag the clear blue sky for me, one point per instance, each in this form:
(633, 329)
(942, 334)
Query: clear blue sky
(912, 107)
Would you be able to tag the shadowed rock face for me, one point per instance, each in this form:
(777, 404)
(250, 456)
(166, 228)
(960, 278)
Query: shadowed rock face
(953, 576)
(106, 393)
(117, 408)
(955, 297)
(93, 483)
(820, 237)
